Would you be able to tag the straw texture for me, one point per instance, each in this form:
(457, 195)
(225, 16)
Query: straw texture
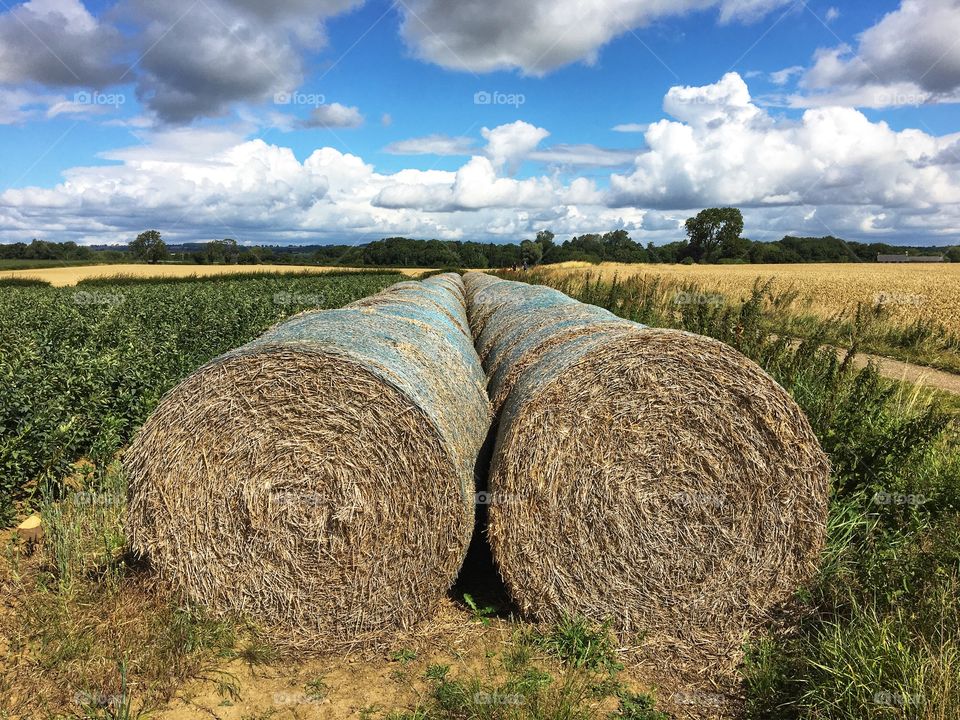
(320, 478)
(654, 478)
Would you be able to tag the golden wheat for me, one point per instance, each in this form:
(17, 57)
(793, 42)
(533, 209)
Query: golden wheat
(62, 276)
(907, 292)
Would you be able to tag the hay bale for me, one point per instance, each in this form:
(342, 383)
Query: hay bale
(320, 478)
(650, 477)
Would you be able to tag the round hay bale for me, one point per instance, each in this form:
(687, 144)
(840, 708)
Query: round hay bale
(525, 346)
(653, 478)
(319, 480)
(450, 302)
(518, 304)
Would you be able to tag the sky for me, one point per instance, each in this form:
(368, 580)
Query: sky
(320, 121)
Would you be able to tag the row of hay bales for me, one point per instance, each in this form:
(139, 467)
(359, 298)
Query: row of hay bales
(321, 478)
(654, 478)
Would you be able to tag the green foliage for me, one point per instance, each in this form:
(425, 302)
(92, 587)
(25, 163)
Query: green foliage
(714, 233)
(149, 246)
(403, 656)
(51, 253)
(220, 252)
(81, 368)
(613, 246)
(581, 645)
(85, 628)
(531, 252)
(23, 282)
(479, 614)
(527, 685)
(637, 707)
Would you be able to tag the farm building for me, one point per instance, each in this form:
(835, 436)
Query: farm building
(909, 258)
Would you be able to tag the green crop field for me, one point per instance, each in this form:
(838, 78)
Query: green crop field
(83, 366)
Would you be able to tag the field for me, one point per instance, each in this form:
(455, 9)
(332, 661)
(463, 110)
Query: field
(71, 275)
(911, 292)
(85, 632)
(908, 312)
(16, 264)
(83, 367)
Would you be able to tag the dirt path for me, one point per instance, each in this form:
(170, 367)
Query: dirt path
(916, 374)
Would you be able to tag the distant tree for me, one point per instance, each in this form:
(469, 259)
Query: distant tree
(672, 252)
(545, 240)
(734, 248)
(549, 250)
(149, 246)
(953, 254)
(472, 255)
(584, 247)
(619, 247)
(222, 251)
(710, 229)
(530, 252)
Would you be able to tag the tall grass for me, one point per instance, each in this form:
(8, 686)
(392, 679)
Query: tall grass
(877, 635)
(670, 302)
(88, 632)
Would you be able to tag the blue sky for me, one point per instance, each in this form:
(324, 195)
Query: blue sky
(345, 121)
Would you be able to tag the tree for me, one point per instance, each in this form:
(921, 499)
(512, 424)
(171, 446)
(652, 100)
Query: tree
(712, 228)
(618, 247)
(222, 251)
(530, 252)
(545, 239)
(149, 246)
(548, 250)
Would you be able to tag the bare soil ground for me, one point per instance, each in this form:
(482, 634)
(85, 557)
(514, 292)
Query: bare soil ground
(916, 374)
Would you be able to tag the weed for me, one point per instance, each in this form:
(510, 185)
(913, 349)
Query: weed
(477, 613)
(579, 644)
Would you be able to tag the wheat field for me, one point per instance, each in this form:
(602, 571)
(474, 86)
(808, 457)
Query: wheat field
(71, 275)
(908, 292)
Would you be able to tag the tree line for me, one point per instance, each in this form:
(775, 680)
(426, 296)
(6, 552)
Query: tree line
(713, 235)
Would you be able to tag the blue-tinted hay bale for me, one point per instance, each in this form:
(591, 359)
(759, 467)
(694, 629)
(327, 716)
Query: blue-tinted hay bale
(320, 479)
(654, 478)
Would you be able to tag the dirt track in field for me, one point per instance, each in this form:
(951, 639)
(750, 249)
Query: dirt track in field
(916, 374)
